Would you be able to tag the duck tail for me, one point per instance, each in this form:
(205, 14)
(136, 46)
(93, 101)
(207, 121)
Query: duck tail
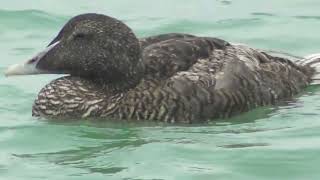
(313, 61)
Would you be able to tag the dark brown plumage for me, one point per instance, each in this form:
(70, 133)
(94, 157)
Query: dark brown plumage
(170, 77)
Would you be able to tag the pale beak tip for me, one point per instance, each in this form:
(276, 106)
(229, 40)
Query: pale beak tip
(10, 70)
(15, 69)
(6, 73)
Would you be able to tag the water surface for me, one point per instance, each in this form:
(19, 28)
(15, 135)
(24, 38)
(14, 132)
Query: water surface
(278, 142)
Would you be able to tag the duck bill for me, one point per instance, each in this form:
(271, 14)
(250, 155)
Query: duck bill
(22, 69)
(29, 67)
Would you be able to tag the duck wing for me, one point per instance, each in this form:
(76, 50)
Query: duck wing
(144, 42)
(167, 54)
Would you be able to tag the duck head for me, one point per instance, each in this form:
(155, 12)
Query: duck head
(91, 46)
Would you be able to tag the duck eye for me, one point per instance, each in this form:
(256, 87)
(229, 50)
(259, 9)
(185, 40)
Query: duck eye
(79, 35)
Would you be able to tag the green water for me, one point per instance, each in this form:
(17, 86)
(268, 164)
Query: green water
(280, 142)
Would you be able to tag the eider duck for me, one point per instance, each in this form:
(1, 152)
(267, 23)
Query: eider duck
(175, 78)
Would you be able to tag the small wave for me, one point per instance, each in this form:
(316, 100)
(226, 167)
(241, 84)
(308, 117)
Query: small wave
(226, 2)
(262, 14)
(244, 145)
(23, 19)
(308, 17)
(202, 27)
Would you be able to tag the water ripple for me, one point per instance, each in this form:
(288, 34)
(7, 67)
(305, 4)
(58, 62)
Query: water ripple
(308, 17)
(25, 19)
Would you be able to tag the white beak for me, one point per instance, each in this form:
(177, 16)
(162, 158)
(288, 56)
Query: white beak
(29, 67)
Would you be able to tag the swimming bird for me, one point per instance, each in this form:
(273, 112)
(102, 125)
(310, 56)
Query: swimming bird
(174, 78)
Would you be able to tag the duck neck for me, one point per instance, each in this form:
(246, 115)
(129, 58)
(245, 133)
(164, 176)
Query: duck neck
(122, 82)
